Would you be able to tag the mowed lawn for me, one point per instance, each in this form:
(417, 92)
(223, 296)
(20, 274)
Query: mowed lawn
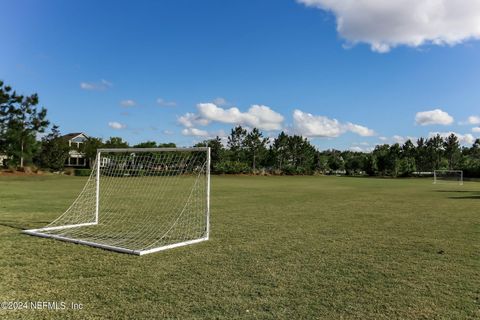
(280, 248)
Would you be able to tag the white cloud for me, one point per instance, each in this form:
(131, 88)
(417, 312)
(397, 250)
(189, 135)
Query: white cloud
(360, 149)
(431, 117)
(476, 129)
(202, 133)
(190, 119)
(310, 125)
(220, 102)
(167, 132)
(194, 132)
(401, 139)
(116, 125)
(356, 149)
(364, 143)
(360, 130)
(473, 120)
(386, 24)
(316, 126)
(128, 103)
(164, 103)
(467, 138)
(259, 116)
(96, 86)
(383, 138)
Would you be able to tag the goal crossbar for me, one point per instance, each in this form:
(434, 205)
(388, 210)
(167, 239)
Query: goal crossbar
(139, 201)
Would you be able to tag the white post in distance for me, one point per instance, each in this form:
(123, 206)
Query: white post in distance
(208, 193)
(97, 194)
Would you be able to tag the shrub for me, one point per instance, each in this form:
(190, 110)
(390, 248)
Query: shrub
(232, 167)
(82, 172)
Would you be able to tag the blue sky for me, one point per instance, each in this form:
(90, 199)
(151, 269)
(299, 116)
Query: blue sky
(173, 70)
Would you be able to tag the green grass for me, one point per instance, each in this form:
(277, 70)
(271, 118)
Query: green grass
(280, 248)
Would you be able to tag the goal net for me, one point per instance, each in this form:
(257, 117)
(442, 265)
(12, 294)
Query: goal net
(139, 201)
(448, 176)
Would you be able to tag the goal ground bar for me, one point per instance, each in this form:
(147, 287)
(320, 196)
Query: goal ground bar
(36, 232)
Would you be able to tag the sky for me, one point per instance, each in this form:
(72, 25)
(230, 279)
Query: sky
(345, 74)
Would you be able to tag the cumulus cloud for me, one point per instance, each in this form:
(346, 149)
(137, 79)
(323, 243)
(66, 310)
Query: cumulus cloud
(116, 125)
(476, 129)
(202, 133)
(259, 116)
(310, 125)
(356, 149)
(194, 132)
(164, 103)
(220, 101)
(467, 138)
(361, 149)
(402, 139)
(360, 130)
(387, 24)
(436, 116)
(96, 86)
(190, 120)
(128, 103)
(473, 120)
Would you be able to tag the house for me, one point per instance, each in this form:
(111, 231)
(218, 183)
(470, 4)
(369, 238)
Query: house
(76, 158)
(3, 160)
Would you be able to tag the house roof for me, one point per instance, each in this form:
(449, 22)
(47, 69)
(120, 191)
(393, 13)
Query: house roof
(70, 136)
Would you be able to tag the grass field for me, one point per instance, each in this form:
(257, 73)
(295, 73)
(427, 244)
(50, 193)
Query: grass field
(280, 248)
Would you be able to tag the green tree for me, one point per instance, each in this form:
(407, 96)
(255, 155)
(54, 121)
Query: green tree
(90, 147)
(452, 151)
(20, 122)
(300, 156)
(146, 144)
(370, 165)
(236, 143)
(336, 161)
(217, 151)
(54, 150)
(382, 157)
(255, 147)
(393, 160)
(434, 147)
(115, 142)
(167, 145)
(421, 156)
(354, 162)
(279, 150)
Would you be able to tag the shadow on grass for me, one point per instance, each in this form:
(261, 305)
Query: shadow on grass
(16, 225)
(11, 224)
(466, 194)
(459, 191)
(466, 197)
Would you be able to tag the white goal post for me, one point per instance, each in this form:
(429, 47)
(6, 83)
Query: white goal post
(139, 201)
(448, 176)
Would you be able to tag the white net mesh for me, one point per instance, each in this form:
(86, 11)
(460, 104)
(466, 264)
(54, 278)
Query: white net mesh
(147, 199)
(448, 176)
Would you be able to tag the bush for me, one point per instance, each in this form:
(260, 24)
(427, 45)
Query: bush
(69, 171)
(82, 172)
(232, 167)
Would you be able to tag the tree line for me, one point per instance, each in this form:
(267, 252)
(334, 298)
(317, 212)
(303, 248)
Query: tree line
(243, 152)
(250, 152)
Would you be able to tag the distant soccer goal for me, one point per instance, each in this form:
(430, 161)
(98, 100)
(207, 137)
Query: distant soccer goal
(448, 176)
(140, 201)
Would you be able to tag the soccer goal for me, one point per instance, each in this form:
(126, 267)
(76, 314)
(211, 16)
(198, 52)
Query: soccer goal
(140, 201)
(448, 176)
